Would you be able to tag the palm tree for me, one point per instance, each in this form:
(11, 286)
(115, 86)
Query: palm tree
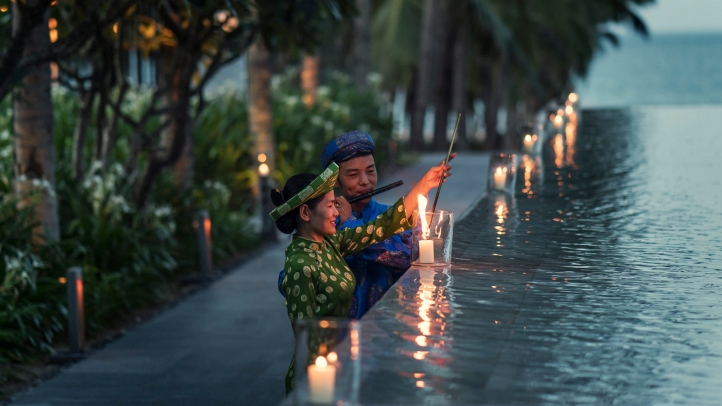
(425, 74)
(443, 46)
(362, 43)
(309, 78)
(260, 114)
(34, 144)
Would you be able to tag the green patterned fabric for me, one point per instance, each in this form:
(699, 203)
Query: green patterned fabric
(321, 185)
(318, 282)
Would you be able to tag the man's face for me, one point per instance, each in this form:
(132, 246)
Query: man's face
(357, 176)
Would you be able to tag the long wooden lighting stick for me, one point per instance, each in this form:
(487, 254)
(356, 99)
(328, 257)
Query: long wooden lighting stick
(376, 191)
(446, 161)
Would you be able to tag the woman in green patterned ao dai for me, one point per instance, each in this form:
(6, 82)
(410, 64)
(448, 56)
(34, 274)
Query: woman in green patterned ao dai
(317, 281)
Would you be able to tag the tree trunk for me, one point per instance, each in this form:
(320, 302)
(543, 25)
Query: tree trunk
(443, 76)
(33, 138)
(362, 43)
(260, 115)
(109, 134)
(100, 122)
(496, 99)
(173, 139)
(425, 75)
(511, 136)
(309, 79)
(458, 87)
(87, 99)
(179, 122)
(491, 103)
(183, 169)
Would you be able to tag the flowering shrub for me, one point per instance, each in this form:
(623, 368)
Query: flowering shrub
(302, 132)
(129, 255)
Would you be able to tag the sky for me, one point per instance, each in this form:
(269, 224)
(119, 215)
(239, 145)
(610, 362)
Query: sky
(683, 16)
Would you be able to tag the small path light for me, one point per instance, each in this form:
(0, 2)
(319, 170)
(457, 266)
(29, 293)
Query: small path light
(73, 281)
(202, 224)
(76, 312)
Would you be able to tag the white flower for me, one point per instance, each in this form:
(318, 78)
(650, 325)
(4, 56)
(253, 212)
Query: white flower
(374, 78)
(162, 211)
(323, 91)
(291, 101)
(316, 120)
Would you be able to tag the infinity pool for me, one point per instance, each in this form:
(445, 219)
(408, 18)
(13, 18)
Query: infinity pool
(599, 282)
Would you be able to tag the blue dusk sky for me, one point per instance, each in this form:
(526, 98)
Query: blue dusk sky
(683, 16)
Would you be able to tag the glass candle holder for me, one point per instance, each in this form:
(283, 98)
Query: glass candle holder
(530, 140)
(327, 366)
(502, 173)
(431, 240)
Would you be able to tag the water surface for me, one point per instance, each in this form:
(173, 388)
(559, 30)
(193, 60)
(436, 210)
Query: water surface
(599, 282)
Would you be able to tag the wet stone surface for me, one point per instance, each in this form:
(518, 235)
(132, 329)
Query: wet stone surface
(599, 282)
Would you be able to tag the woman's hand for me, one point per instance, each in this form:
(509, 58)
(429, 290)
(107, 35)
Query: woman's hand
(429, 181)
(344, 209)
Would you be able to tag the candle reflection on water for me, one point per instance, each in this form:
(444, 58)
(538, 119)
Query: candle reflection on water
(432, 311)
(559, 150)
(570, 132)
(532, 168)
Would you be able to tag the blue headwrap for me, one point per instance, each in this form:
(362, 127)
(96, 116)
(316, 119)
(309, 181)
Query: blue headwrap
(347, 146)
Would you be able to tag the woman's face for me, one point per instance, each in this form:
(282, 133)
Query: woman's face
(323, 218)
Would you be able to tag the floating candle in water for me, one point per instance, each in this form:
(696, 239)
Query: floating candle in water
(321, 381)
(500, 178)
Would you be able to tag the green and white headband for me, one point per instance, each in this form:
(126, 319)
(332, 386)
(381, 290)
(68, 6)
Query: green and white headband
(323, 184)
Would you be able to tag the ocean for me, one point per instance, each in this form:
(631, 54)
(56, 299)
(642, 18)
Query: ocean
(670, 69)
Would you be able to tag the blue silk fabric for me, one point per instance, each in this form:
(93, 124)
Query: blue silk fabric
(377, 267)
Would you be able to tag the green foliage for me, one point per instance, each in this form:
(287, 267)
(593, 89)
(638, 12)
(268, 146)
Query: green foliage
(302, 132)
(122, 249)
(128, 255)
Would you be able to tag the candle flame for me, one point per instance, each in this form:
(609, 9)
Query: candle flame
(573, 97)
(527, 138)
(422, 216)
(321, 362)
(569, 110)
(499, 171)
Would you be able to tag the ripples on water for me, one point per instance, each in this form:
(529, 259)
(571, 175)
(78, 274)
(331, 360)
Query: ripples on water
(598, 283)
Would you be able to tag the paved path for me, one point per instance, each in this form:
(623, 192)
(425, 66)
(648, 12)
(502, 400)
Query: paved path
(228, 344)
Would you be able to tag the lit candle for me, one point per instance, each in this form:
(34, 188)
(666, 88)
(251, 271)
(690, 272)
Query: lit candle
(321, 381)
(426, 251)
(558, 121)
(426, 246)
(528, 144)
(499, 179)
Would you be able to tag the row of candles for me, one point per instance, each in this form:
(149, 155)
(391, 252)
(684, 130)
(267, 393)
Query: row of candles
(502, 167)
(432, 250)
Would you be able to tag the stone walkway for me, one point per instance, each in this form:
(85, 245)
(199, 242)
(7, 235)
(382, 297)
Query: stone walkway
(228, 344)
